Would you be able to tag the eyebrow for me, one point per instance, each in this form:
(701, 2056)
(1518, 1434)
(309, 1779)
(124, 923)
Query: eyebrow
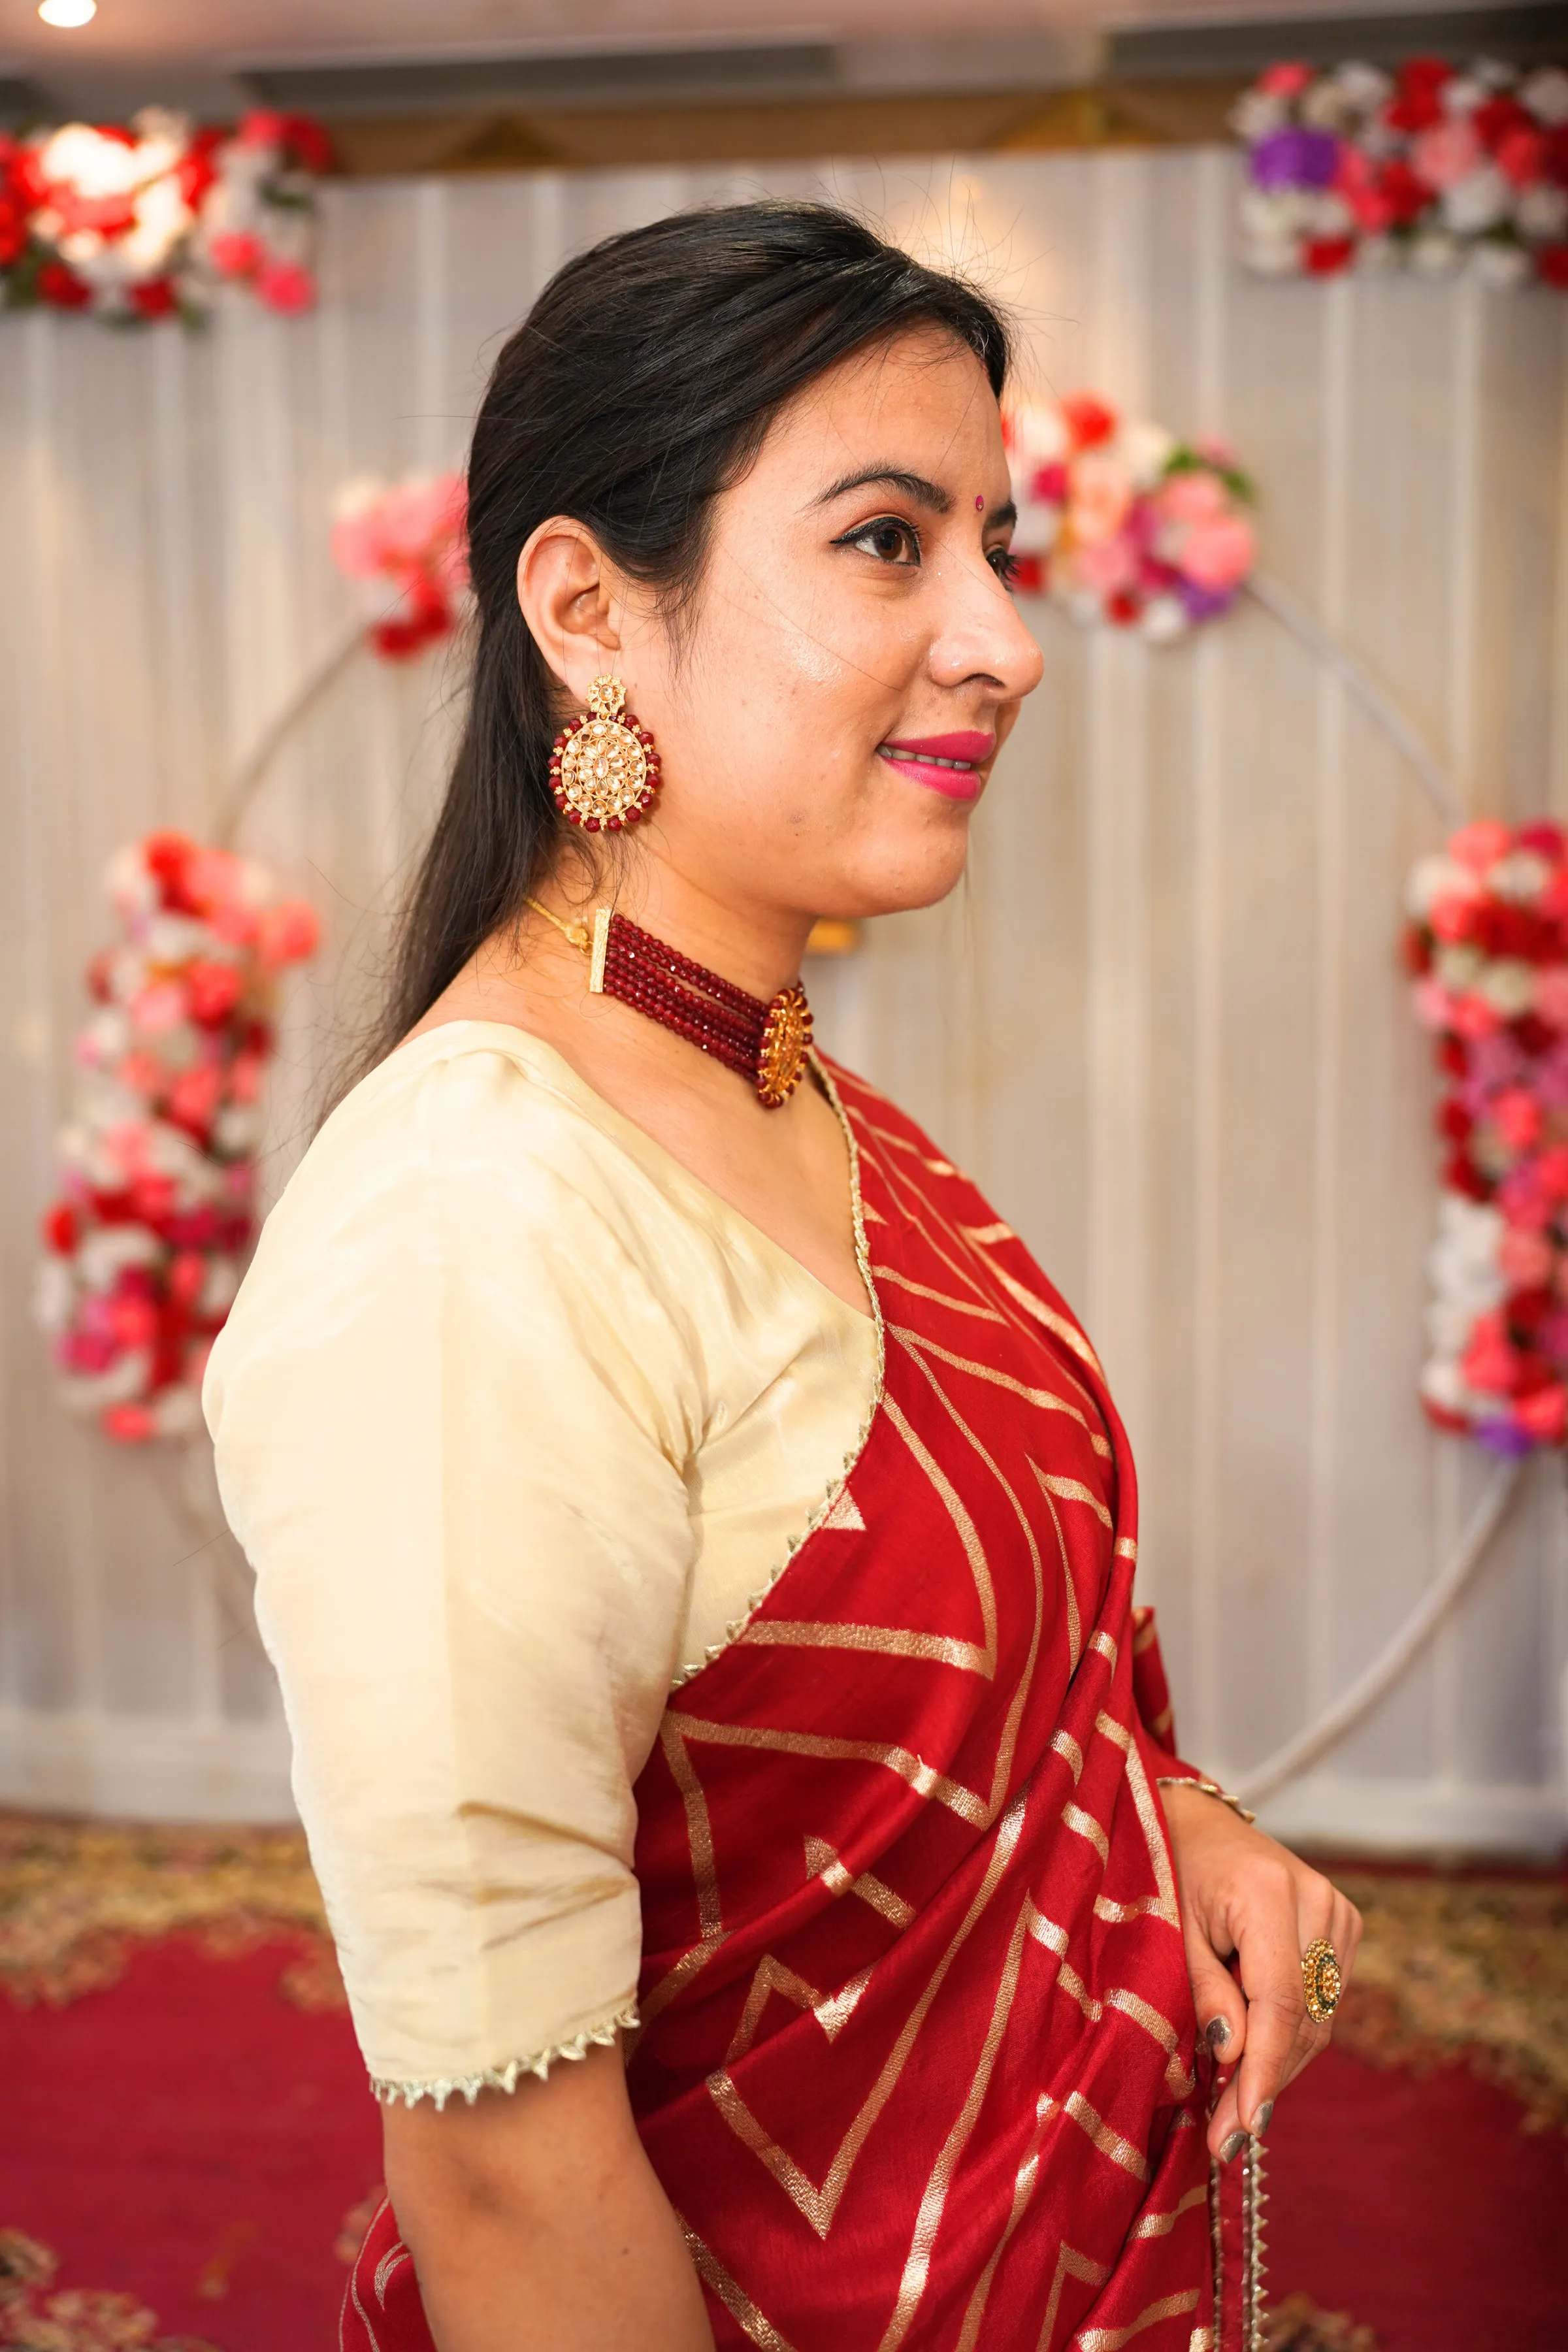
(928, 494)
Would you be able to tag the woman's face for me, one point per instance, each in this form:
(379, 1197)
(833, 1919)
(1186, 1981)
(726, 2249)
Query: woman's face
(830, 707)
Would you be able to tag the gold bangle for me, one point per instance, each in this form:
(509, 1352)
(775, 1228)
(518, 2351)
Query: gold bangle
(1209, 1787)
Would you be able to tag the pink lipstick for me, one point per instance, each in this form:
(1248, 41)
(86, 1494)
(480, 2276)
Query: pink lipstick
(949, 764)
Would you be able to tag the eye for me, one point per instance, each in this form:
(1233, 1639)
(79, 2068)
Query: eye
(888, 538)
(1005, 564)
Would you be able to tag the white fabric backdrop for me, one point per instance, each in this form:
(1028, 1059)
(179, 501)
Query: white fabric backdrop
(1162, 1022)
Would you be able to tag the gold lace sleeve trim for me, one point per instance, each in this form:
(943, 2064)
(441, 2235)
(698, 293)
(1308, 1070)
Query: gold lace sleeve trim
(505, 2078)
(837, 1485)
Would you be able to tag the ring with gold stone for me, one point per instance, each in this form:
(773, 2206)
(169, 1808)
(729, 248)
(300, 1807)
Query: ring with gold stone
(1322, 1976)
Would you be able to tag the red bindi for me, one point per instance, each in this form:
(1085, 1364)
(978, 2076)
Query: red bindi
(978, 504)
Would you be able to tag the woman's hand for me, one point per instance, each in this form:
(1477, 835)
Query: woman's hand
(1243, 1894)
(536, 2224)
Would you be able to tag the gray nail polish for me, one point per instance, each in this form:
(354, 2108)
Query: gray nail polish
(1231, 2148)
(1216, 2032)
(1261, 2120)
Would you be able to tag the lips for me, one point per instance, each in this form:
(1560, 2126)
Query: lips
(949, 764)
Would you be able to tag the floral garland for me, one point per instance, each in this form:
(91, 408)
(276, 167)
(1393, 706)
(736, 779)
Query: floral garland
(1357, 167)
(1488, 943)
(146, 222)
(1120, 522)
(158, 1159)
(411, 533)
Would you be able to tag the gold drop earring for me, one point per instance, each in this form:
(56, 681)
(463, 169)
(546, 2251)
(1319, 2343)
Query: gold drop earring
(603, 769)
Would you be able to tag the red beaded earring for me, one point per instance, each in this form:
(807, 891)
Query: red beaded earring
(604, 771)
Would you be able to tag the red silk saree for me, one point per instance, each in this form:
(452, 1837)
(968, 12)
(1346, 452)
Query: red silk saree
(916, 2065)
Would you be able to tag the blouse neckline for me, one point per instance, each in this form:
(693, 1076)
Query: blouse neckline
(525, 1046)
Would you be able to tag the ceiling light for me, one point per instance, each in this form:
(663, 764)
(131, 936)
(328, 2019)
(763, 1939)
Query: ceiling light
(68, 14)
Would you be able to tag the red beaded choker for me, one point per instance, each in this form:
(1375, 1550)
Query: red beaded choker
(764, 1042)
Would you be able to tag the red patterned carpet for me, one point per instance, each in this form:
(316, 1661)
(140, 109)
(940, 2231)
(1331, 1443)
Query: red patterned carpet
(186, 2126)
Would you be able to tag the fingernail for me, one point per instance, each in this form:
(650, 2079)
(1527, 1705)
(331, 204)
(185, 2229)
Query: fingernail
(1260, 2120)
(1231, 2148)
(1216, 2032)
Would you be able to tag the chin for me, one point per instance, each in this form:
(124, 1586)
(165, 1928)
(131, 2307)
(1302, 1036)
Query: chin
(907, 877)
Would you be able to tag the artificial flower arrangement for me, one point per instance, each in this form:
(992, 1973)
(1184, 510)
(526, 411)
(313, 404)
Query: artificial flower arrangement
(1356, 167)
(1121, 522)
(146, 1241)
(1487, 944)
(409, 534)
(146, 222)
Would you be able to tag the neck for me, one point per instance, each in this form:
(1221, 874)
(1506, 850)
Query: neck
(756, 945)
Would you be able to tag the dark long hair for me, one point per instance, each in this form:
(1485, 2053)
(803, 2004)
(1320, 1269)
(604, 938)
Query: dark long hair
(639, 387)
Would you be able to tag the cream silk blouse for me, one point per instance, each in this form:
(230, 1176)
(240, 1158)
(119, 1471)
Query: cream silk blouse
(516, 1420)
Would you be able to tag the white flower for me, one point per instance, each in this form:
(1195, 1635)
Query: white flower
(131, 889)
(1459, 966)
(1508, 985)
(238, 1128)
(1545, 92)
(1449, 1325)
(1147, 449)
(1433, 254)
(1256, 114)
(1492, 74)
(176, 1412)
(1275, 256)
(107, 1035)
(1163, 620)
(1523, 874)
(1501, 267)
(1436, 877)
(1443, 1384)
(1375, 253)
(1463, 94)
(1330, 215)
(1364, 86)
(1479, 201)
(175, 939)
(1541, 211)
(1469, 1231)
(54, 1294)
(1325, 105)
(105, 1252)
(1273, 212)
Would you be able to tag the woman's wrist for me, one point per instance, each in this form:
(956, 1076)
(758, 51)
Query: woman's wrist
(1205, 1787)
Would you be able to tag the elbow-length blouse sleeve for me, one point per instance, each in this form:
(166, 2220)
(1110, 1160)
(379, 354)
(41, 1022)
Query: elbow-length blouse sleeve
(452, 1413)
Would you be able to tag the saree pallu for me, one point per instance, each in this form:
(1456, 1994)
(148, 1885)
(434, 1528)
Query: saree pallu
(916, 2065)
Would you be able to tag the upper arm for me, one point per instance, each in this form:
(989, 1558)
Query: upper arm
(450, 1421)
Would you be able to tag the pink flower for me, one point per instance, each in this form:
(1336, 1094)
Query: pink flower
(286, 286)
(1448, 154)
(129, 1424)
(236, 253)
(1489, 1363)
(1101, 495)
(1526, 1258)
(1434, 1005)
(1195, 497)
(1516, 1114)
(1287, 79)
(1523, 1198)
(1552, 1172)
(1480, 844)
(159, 1008)
(263, 127)
(286, 933)
(1472, 1016)
(1220, 553)
(1551, 995)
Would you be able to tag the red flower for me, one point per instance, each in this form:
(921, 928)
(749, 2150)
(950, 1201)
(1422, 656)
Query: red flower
(309, 142)
(1125, 607)
(154, 299)
(1496, 117)
(1555, 160)
(62, 287)
(214, 991)
(1418, 104)
(1089, 421)
(1552, 261)
(60, 1229)
(1327, 255)
(1404, 192)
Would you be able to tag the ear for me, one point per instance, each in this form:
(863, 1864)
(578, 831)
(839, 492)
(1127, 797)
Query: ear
(571, 601)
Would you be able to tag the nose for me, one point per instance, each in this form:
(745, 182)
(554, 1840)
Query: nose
(979, 634)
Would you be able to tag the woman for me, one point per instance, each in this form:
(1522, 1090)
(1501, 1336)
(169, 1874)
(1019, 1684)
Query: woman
(695, 1540)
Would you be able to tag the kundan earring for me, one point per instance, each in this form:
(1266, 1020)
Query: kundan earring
(604, 771)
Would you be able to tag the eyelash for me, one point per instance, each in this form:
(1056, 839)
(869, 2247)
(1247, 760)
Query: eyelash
(1001, 561)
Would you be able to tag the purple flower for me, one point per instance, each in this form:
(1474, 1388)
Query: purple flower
(1205, 603)
(1295, 157)
(1505, 1437)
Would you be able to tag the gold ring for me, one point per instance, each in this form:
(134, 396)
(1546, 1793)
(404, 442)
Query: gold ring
(1321, 1977)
